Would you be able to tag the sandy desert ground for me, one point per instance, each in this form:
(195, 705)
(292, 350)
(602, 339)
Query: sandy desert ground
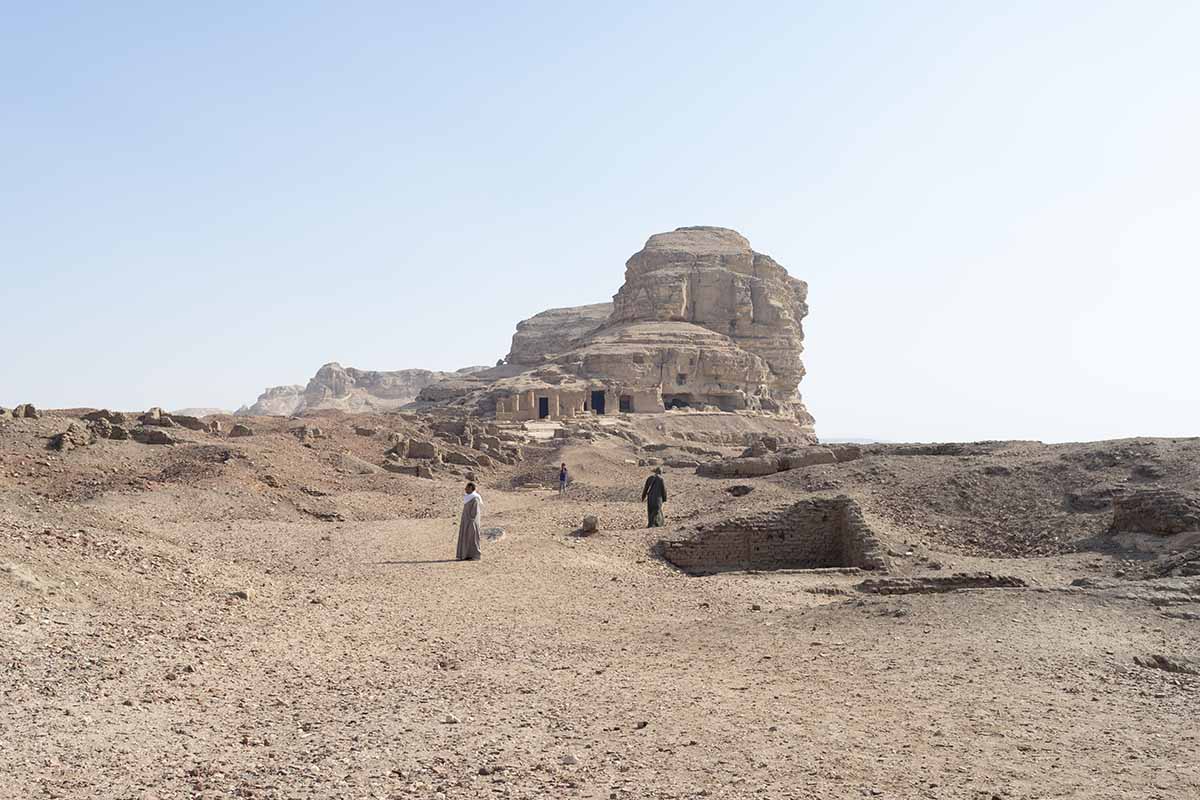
(252, 618)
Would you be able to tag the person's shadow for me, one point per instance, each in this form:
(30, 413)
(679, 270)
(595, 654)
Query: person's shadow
(408, 563)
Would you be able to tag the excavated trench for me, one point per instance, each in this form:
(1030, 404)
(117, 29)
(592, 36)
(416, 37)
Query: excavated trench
(811, 534)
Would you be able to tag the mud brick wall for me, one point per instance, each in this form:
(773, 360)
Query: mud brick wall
(810, 534)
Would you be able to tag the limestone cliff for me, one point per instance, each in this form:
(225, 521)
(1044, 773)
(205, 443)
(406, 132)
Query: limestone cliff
(701, 321)
(555, 331)
(712, 278)
(348, 389)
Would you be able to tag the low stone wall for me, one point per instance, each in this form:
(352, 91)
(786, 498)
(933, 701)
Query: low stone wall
(810, 534)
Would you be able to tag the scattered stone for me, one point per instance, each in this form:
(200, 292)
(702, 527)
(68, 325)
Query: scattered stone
(568, 759)
(450, 719)
(307, 433)
(113, 417)
(240, 594)
(118, 432)
(591, 524)
(101, 428)
(739, 490)
(240, 429)
(361, 431)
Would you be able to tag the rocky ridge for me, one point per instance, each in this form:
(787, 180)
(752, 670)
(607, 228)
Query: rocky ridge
(348, 389)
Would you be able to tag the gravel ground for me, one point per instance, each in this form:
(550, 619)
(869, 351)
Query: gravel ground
(175, 626)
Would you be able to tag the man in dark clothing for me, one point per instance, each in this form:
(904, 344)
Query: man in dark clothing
(655, 494)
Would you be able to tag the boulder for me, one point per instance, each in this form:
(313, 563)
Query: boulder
(355, 465)
(118, 432)
(461, 459)
(240, 429)
(591, 524)
(739, 490)
(5, 413)
(151, 435)
(361, 431)
(25, 411)
(214, 426)
(307, 433)
(739, 467)
(806, 457)
(191, 423)
(418, 448)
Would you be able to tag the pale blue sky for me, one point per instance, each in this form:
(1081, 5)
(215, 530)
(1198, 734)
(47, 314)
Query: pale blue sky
(996, 208)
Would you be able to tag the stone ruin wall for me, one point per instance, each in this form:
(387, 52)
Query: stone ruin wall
(811, 534)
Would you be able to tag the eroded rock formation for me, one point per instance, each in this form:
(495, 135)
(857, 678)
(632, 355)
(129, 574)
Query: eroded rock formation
(702, 321)
(348, 389)
(712, 278)
(558, 330)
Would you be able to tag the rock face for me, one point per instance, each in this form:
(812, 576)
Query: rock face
(348, 389)
(702, 322)
(555, 331)
(1156, 511)
(712, 278)
(279, 401)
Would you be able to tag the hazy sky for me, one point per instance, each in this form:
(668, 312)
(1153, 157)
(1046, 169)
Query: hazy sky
(997, 209)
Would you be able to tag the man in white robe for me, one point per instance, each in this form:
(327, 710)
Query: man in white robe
(468, 526)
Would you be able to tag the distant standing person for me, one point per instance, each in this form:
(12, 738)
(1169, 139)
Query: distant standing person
(468, 527)
(655, 494)
(562, 479)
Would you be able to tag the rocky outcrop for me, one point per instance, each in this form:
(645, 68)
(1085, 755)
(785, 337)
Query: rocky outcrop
(556, 331)
(278, 401)
(1156, 511)
(702, 322)
(712, 278)
(26, 411)
(348, 389)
